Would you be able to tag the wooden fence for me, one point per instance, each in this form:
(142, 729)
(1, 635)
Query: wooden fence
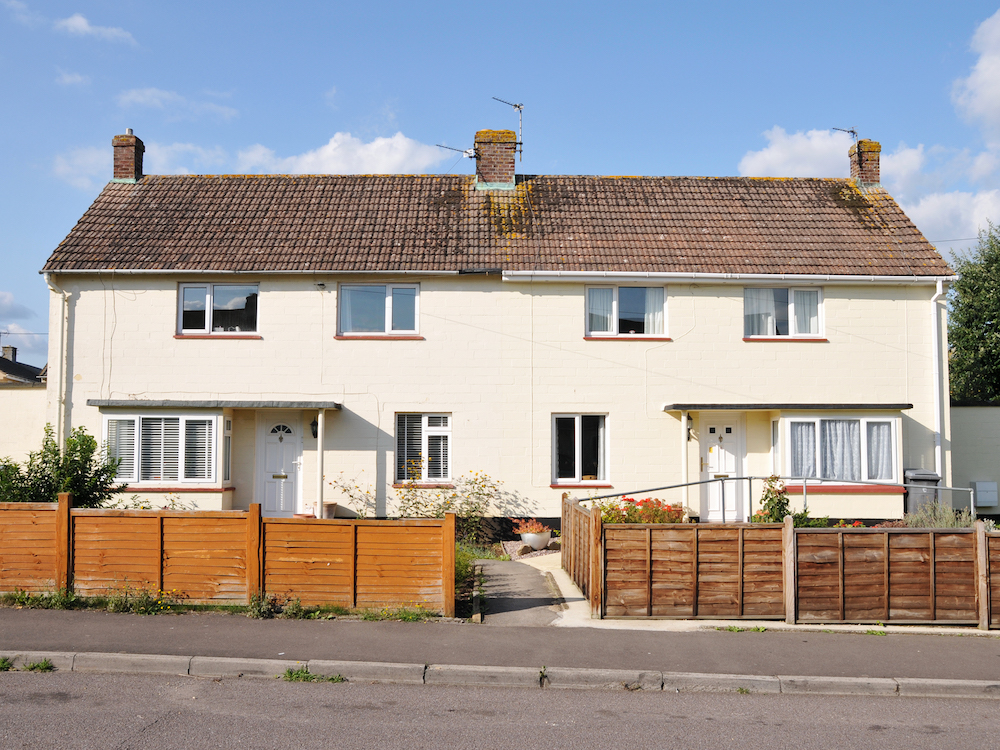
(228, 556)
(773, 571)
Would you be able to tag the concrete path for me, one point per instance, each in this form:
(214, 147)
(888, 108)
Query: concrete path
(518, 594)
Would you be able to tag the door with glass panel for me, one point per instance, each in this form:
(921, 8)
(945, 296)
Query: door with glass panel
(720, 459)
(281, 460)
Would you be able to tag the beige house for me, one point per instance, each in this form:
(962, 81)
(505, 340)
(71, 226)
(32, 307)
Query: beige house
(253, 338)
(22, 406)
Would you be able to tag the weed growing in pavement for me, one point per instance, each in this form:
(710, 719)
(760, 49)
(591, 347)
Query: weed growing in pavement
(141, 601)
(743, 691)
(403, 614)
(758, 629)
(302, 674)
(875, 632)
(39, 666)
(61, 599)
(265, 606)
(5, 664)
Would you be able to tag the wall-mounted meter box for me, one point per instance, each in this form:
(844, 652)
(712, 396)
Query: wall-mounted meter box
(986, 494)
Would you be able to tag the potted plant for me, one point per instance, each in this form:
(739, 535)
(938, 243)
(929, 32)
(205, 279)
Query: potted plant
(533, 533)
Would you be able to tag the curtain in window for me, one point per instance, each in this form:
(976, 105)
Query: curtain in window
(840, 448)
(362, 309)
(806, 311)
(654, 310)
(880, 450)
(599, 304)
(803, 449)
(758, 312)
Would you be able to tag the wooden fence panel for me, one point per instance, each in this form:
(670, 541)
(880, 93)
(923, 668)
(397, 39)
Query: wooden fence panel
(718, 571)
(672, 558)
(626, 572)
(763, 573)
(205, 558)
(399, 566)
(576, 545)
(309, 560)
(993, 556)
(112, 550)
(28, 547)
(818, 576)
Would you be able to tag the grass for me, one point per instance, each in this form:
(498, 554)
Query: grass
(466, 554)
(39, 666)
(875, 632)
(302, 674)
(5, 664)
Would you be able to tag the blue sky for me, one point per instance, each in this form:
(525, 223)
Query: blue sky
(710, 88)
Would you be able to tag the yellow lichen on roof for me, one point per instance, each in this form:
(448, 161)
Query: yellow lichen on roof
(496, 136)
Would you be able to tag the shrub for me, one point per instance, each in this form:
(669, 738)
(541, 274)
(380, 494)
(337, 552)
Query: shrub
(649, 510)
(937, 515)
(774, 506)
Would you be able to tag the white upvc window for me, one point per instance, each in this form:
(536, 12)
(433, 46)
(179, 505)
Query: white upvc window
(579, 448)
(162, 448)
(782, 311)
(423, 447)
(843, 449)
(373, 309)
(626, 311)
(217, 308)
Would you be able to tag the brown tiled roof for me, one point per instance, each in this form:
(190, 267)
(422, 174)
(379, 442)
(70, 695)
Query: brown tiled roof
(549, 223)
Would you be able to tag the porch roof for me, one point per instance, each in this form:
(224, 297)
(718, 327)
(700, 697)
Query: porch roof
(786, 407)
(211, 404)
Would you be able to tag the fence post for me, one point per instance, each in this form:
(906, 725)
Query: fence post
(982, 576)
(565, 535)
(596, 565)
(63, 542)
(448, 563)
(788, 555)
(255, 560)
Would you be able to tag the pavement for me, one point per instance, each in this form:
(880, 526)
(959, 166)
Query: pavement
(537, 633)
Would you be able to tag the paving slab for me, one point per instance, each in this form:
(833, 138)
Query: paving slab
(913, 687)
(693, 682)
(839, 685)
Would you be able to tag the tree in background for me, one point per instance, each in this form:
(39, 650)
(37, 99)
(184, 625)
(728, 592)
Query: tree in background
(81, 469)
(974, 322)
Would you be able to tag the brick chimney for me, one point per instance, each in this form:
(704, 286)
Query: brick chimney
(495, 151)
(10, 353)
(864, 157)
(128, 157)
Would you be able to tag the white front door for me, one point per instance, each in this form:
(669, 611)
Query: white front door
(281, 460)
(721, 457)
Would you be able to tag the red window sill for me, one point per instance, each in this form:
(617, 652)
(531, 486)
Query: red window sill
(587, 486)
(627, 338)
(378, 338)
(846, 489)
(249, 337)
(786, 338)
(423, 486)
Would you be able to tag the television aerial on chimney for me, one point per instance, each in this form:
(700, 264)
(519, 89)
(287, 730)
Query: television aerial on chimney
(852, 131)
(520, 109)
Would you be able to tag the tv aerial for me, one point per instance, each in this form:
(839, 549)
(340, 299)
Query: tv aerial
(520, 109)
(852, 131)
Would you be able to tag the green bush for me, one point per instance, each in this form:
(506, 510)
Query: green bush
(81, 469)
(774, 506)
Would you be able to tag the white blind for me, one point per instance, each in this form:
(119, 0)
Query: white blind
(159, 456)
(408, 434)
(437, 456)
(198, 449)
(121, 445)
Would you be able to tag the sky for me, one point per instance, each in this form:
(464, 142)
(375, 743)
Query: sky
(640, 88)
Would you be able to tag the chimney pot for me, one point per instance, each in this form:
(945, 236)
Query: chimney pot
(495, 151)
(864, 156)
(128, 157)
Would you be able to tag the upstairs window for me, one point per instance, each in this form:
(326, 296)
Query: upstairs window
(217, 308)
(423, 447)
(626, 311)
(162, 449)
(842, 449)
(375, 309)
(781, 312)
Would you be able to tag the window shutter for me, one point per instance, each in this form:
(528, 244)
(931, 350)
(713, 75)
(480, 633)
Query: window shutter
(408, 438)
(198, 449)
(121, 445)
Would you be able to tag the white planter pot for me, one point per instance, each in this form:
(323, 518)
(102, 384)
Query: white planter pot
(537, 541)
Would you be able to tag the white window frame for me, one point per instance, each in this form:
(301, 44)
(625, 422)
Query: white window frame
(614, 312)
(212, 449)
(388, 330)
(786, 436)
(604, 463)
(427, 431)
(820, 317)
(207, 330)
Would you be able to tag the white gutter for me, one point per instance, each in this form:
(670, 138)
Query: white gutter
(61, 365)
(937, 379)
(553, 276)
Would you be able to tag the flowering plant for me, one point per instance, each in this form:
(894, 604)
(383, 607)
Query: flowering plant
(529, 526)
(648, 510)
(845, 525)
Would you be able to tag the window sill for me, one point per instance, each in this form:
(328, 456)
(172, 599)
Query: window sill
(627, 338)
(846, 489)
(248, 336)
(380, 337)
(582, 486)
(423, 486)
(157, 488)
(788, 338)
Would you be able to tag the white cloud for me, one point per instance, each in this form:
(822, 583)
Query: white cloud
(978, 95)
(66, 78)
(78, 25)
(11, 310)
(22, 13)
(182, 158)
(345, 154)
(816, 153)
(177, 106)
(32, 346)
(955, 215)
(84, 168)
